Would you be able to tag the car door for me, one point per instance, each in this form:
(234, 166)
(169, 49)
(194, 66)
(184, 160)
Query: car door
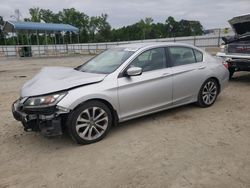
(150, 91)
(188, 73)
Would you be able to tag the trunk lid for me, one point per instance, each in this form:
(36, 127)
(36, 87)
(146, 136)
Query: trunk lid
(241, 24)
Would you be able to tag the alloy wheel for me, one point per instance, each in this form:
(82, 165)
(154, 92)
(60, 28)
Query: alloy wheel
(92, 123)
(209, 92)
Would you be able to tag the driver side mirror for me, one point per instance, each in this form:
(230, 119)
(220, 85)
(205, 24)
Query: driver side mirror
(134, 71)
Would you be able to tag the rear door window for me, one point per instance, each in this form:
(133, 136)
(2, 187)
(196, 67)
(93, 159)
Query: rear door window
(182, 55)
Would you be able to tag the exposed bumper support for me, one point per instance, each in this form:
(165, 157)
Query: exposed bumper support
(48, 125)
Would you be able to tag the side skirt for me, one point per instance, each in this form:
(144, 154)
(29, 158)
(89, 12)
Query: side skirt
(154, 111)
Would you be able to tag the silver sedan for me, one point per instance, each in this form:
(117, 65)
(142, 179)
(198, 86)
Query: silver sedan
(120, 84)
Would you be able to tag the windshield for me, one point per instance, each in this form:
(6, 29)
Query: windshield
(106, 62)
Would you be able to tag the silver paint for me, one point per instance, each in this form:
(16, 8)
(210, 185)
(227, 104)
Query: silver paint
(132, 96)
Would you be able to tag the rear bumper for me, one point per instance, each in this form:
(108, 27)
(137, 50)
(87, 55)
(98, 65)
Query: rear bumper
(48, 125)
(238, 62)
(234, 56)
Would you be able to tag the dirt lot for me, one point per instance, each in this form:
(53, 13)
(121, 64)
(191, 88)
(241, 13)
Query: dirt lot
(183, 147)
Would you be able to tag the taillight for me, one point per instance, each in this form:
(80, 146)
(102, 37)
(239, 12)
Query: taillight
(225, 64)
(222, 47)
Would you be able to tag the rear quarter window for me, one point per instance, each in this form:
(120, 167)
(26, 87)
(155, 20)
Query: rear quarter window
(198, 56)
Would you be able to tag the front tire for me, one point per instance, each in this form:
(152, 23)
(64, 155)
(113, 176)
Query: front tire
(90, 122)
(208, 93)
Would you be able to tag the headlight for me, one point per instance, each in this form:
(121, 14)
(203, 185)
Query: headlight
(44, 101)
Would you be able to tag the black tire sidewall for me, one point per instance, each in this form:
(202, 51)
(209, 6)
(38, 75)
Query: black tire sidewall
(231, 72)
(200, 98)
(71, 122)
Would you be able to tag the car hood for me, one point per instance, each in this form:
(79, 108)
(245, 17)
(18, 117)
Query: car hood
(241, 24)
(53, 79)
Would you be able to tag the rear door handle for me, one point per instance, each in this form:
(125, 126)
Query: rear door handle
(202, 67)
(165, 74)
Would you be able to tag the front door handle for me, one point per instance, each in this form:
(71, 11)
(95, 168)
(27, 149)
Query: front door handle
(202, 67)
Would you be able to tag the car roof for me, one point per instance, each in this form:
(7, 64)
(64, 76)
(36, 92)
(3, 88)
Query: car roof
(137, 46)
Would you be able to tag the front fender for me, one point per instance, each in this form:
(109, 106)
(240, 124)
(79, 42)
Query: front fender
(96, 91)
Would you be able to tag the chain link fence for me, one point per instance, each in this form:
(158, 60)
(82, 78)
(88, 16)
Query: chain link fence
(95, 48)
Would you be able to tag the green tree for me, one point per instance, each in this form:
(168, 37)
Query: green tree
(172, 27)
(99, 28)
(78, 19)
(1, 21)
(157, 31)
(1, 31)
(104, 29)
(148, 26)
(35, 14)
(48, 16)
(196, 28)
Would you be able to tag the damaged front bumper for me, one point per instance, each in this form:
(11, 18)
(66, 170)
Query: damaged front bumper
(48, 120)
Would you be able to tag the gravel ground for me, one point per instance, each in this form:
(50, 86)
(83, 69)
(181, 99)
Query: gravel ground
(183, 147)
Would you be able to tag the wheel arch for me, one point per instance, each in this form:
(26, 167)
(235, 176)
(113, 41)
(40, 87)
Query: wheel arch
(199, 101)
(217, 81)
(108, 104)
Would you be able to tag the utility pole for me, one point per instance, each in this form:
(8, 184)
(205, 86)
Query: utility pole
(17, 15)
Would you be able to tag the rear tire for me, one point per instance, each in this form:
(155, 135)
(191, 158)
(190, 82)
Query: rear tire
(208, 93)
(231, 72)
(90, 122)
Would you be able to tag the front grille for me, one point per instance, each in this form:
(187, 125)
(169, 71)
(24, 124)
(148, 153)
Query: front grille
(43, 111)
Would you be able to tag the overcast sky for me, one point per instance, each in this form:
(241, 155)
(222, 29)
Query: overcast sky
(211, 13)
